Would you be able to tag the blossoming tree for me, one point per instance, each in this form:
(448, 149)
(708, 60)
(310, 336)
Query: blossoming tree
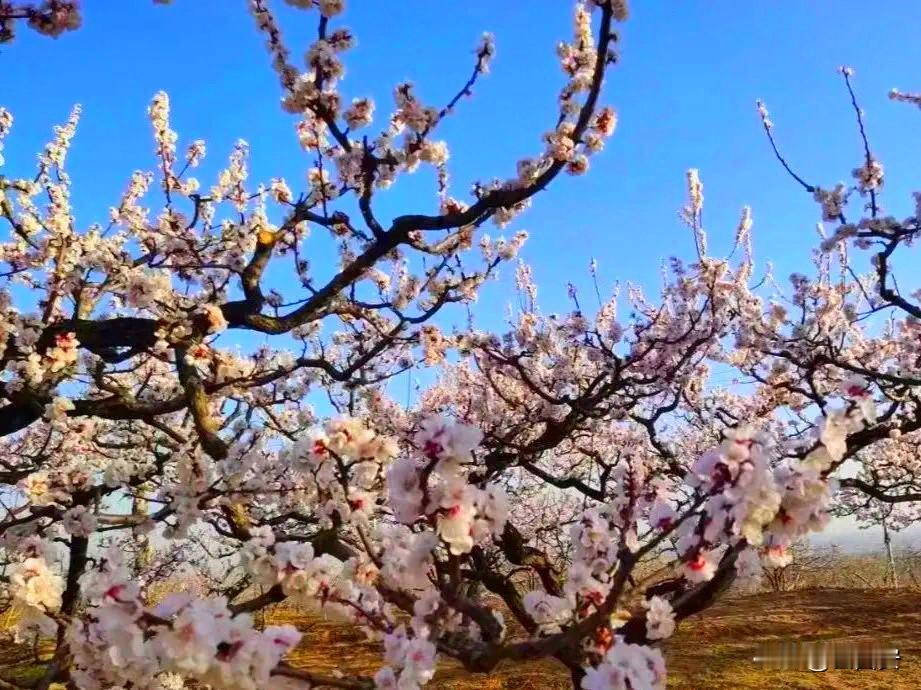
(51, 17)
(579, 473)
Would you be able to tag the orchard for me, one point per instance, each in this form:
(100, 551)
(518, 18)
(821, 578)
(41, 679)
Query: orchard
(579, 475)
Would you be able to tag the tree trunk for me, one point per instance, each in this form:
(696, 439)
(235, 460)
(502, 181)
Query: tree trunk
(144, 553)
(892, 578)
(576, 673)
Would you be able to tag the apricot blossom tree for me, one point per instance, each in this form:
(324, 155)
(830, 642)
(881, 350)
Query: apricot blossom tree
(50, 17)
(579, 473)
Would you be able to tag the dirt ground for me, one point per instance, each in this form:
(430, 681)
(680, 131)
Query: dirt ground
(713, 650)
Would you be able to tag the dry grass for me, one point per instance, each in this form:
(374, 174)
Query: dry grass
(712, 650)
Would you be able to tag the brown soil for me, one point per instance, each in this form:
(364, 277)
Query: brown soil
(712, 650)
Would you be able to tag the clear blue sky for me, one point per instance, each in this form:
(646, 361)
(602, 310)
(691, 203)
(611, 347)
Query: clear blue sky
(685, 88)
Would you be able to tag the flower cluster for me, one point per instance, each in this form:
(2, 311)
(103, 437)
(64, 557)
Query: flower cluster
(410, 658)
(121, 642)
(433, 487)
(627, 666)
(343, 467)
(50, 17)
(36, 592)
(749, 500)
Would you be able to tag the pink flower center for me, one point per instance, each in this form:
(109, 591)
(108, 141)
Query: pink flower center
(432, 449)
(226, 650)
(114, 592)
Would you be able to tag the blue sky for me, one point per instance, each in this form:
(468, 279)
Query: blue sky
(685, 90)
